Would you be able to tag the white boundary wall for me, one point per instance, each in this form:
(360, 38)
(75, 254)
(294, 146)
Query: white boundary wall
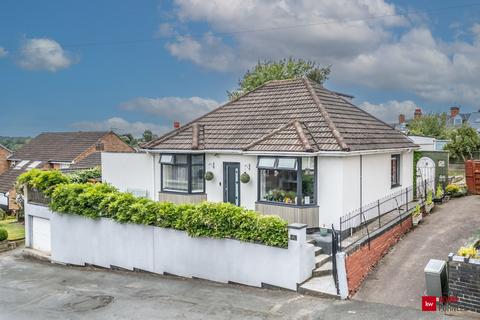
(78, 240)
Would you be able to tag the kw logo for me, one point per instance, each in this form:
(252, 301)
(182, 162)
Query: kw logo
(429, 303)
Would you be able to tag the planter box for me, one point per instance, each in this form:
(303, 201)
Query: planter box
(416, 219)
(429, 207)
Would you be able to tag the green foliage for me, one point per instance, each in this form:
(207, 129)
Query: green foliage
(279, 70)
(218, 220)
(3, 214)
(429, 197)
(439, 192)
(3, 234)
(245, 177)
(464, 141)
(87, 175)
(14, 143)
(418, 211)
(43, 180)
(452, 189)
(209, 175)
(431, 125)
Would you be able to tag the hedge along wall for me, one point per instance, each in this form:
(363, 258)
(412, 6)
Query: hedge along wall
(79, 240)
(217, 220)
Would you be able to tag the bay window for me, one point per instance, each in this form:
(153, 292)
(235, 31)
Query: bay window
(183, 173)
(287, 180)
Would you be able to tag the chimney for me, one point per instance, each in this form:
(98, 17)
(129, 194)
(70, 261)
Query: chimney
(176, 124)
(454, 111)
(401, 118)
(417, 114)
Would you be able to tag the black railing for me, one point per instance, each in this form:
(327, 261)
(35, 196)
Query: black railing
(360, 223)
(335, 245)
(37, 197)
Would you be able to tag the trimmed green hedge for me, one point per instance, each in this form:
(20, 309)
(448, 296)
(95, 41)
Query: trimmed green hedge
(216, 220)
(3, 234)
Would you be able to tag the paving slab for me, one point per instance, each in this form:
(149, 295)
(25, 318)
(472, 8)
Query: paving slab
(398, 279)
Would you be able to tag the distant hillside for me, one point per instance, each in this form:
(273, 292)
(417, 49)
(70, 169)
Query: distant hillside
(13, 143)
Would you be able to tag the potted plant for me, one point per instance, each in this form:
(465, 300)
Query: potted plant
(245, 177)
(439, 195)
(429, 202)
(417, 215)
(209, 176)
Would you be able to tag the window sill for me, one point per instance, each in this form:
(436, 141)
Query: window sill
(394, 186)
(182, 192)
(291, 205)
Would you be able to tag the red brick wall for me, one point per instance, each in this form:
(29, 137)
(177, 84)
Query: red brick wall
(361, 261)
(4, 164)
(111, 143)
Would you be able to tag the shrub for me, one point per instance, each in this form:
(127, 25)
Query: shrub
(87, 175)
(217, 220)
(43, 180)
(3, 214)
(469, 252)
(452, 189)
(429, 197)
(3, 234)
(418, 211)
(439, 192)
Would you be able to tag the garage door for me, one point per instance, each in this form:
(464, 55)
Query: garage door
(41, 234)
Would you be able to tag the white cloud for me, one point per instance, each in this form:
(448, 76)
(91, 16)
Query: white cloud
(121, 126)
(3, 52)
(209, 51)
(171, 108)
(366, 41)
(43, 54)
(389, 111)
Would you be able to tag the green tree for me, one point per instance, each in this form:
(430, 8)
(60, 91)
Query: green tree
(129, 139)
(279, 70)
(430, 125)
(147, 135)
(463, 142)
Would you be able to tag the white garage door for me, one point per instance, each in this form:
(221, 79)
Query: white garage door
(41, 234)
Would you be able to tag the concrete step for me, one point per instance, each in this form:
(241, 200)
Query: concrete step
(323, 287)
(322, 259)
(318, 251)
(324, 270)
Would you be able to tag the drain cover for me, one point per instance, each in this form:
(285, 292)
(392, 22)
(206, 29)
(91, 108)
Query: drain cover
(90, 303)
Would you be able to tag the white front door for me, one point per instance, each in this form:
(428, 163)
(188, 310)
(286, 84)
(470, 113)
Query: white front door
(41, 234)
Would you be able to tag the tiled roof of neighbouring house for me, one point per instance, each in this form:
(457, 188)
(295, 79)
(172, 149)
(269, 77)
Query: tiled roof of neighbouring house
(285, 116)
(58, 146)
(5, 148)
(91, 161)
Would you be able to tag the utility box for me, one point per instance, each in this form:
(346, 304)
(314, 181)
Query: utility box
(436, 278)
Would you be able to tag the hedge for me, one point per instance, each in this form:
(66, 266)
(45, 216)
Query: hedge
(216, 220)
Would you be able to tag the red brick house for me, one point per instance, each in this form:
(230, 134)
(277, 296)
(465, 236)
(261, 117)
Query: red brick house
(4, 154)
(56, 150)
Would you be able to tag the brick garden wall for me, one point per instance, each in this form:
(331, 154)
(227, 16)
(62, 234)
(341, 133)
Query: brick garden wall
(464, 282)
(361, 261)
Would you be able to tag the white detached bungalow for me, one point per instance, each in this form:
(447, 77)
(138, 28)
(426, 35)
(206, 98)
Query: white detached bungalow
(290, 148)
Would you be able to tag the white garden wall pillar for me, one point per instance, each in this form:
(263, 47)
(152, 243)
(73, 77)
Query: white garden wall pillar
(301, 252)
(342, 275)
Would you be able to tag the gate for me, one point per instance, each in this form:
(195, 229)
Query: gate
(425, 175)
(472, 175)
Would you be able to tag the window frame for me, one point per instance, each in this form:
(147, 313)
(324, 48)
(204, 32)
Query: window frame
(189, 166)
(398, 170)
(299, 191)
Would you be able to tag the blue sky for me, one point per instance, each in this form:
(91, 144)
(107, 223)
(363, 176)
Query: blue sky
(99, 65)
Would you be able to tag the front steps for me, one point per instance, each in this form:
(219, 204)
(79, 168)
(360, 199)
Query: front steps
(321, 284)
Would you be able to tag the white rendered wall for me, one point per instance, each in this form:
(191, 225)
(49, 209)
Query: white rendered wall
(339, 182)
(3, 199)
(170, 251)
(425, 143)
(214, 188)
(131, 171)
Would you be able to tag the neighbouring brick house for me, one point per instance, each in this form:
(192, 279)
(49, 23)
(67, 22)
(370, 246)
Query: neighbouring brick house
(4, 154)
(56, 150)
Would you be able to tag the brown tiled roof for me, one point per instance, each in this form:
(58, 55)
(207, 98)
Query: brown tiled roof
(5, 148)
(58, 146)
(8, 178)
(91, 161)
(285, 116)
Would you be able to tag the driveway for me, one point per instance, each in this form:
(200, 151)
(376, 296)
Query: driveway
(30, 289)
(399, 279)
